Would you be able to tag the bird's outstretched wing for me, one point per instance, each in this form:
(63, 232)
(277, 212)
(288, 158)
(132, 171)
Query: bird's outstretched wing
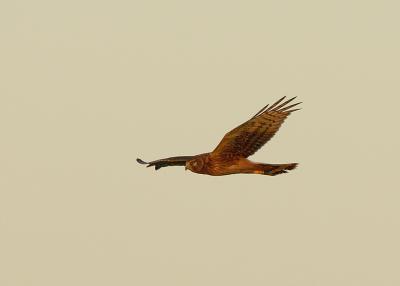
(250, 136)
(172, 161)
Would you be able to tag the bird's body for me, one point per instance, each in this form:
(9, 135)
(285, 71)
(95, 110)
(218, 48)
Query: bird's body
(230, 156)
(217, 166)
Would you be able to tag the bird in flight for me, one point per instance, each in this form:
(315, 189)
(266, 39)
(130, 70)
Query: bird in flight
(230, 156)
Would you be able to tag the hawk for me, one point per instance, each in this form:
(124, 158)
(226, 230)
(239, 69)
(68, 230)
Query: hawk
(230, 156)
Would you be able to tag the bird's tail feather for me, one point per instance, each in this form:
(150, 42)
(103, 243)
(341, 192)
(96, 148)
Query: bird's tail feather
(274, 169)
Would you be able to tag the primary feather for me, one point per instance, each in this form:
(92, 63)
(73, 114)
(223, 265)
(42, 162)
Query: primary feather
(250, 136)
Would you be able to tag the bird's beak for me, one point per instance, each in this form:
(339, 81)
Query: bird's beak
(186, 168)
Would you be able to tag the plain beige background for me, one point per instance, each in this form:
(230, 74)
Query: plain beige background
(88, 86)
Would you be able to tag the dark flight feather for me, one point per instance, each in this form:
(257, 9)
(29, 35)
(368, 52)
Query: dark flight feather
(172, 161)
(250, 136)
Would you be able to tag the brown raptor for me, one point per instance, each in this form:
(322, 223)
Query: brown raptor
(230, 156)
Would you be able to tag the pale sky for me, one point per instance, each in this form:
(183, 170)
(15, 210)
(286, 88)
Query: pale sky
(89, 86)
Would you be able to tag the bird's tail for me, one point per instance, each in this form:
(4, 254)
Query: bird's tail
(274, 169)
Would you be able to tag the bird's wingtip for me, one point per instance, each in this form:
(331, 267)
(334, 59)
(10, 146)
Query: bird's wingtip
(140, 161)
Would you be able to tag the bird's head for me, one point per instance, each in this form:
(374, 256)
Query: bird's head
(195, 165)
